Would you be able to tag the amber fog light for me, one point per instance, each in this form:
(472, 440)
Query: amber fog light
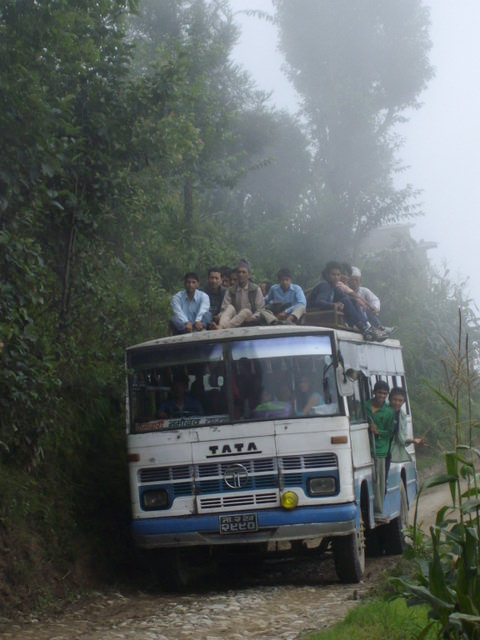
(289, 500)
(153, 500)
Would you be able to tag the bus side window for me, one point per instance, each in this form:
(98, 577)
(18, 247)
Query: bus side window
(356, 402)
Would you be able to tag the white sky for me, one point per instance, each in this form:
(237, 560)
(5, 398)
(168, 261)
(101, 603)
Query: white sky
(442, 139)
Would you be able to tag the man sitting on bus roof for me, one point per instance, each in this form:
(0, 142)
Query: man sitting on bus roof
(243, 302)
(216, 292)
(189, 307)
(327, 295)
(285, 302)
(371, 301)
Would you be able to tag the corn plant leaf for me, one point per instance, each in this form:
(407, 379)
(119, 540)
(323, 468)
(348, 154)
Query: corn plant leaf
(466, 617)
(471, 506)
(442, 396)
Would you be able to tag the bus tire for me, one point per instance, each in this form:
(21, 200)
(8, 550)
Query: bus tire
(349, 556)
(393, 533)
(373, 543)
(185, 567)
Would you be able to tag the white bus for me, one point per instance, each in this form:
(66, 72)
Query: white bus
(236, 462)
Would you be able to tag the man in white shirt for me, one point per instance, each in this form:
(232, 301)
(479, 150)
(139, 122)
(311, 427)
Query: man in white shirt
(371, 300)
(189, 306)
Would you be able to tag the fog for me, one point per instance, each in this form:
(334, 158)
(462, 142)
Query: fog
(442, 139)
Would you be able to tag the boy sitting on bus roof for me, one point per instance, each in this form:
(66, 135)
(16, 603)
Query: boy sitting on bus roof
(285, 302)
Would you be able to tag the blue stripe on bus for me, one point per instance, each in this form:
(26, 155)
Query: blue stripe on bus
(267, 518)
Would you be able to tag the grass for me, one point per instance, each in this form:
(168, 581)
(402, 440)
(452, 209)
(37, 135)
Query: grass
(380, 620)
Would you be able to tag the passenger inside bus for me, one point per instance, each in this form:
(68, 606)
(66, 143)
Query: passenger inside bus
(180, 403)
(306, 397)
(271, 407)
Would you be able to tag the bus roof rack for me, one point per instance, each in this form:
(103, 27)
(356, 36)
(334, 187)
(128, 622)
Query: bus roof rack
(328, 318)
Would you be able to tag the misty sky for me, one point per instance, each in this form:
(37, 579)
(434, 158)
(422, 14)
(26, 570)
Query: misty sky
(442, 139)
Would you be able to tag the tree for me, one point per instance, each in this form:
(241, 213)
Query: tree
(199, 36)
(357, 67)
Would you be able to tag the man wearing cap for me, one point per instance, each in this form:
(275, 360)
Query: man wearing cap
(372, 301)
(243, 302)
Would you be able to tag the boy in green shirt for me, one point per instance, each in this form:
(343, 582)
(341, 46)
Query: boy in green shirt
(381, 424)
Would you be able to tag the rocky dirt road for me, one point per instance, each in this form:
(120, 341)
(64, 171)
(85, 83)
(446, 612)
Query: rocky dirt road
(283, 600)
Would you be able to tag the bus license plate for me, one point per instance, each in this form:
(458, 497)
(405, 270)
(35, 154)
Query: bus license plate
(241, 523)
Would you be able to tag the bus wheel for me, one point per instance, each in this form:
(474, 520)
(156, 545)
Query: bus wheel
(179, 570)
(187, 566)
(393, 534)
(349, 555)
(373, 543)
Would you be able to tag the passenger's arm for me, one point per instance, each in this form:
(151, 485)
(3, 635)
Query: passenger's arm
(259, 304)
(177, 308)
(314, 400)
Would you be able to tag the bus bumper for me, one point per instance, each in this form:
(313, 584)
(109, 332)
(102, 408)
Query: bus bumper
(273, 525)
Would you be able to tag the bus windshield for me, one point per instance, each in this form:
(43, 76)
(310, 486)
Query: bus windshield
(212, 382)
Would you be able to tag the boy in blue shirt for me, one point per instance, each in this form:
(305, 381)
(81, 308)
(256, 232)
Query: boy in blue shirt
(285, 302)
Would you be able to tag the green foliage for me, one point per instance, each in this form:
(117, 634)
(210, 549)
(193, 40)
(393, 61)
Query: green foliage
(378, 619)
(447, 576)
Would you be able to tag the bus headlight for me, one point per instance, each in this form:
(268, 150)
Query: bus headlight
(155, 499)
(322, 486)
(289, 500)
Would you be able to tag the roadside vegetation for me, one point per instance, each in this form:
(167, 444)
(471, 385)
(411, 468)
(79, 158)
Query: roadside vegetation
(134, 150)
(379, 619)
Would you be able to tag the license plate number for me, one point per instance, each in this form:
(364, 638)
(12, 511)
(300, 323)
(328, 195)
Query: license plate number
(241, 523)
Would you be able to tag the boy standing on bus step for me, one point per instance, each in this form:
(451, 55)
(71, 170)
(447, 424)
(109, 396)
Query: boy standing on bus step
(381, 424)
(397, 451)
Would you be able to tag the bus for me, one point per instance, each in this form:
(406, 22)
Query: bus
(222, 455)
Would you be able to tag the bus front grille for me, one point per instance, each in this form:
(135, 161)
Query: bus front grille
(238, 500)
(241, 484)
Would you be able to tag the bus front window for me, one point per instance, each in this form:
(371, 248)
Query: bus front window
(283, 377)
(182, 386)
